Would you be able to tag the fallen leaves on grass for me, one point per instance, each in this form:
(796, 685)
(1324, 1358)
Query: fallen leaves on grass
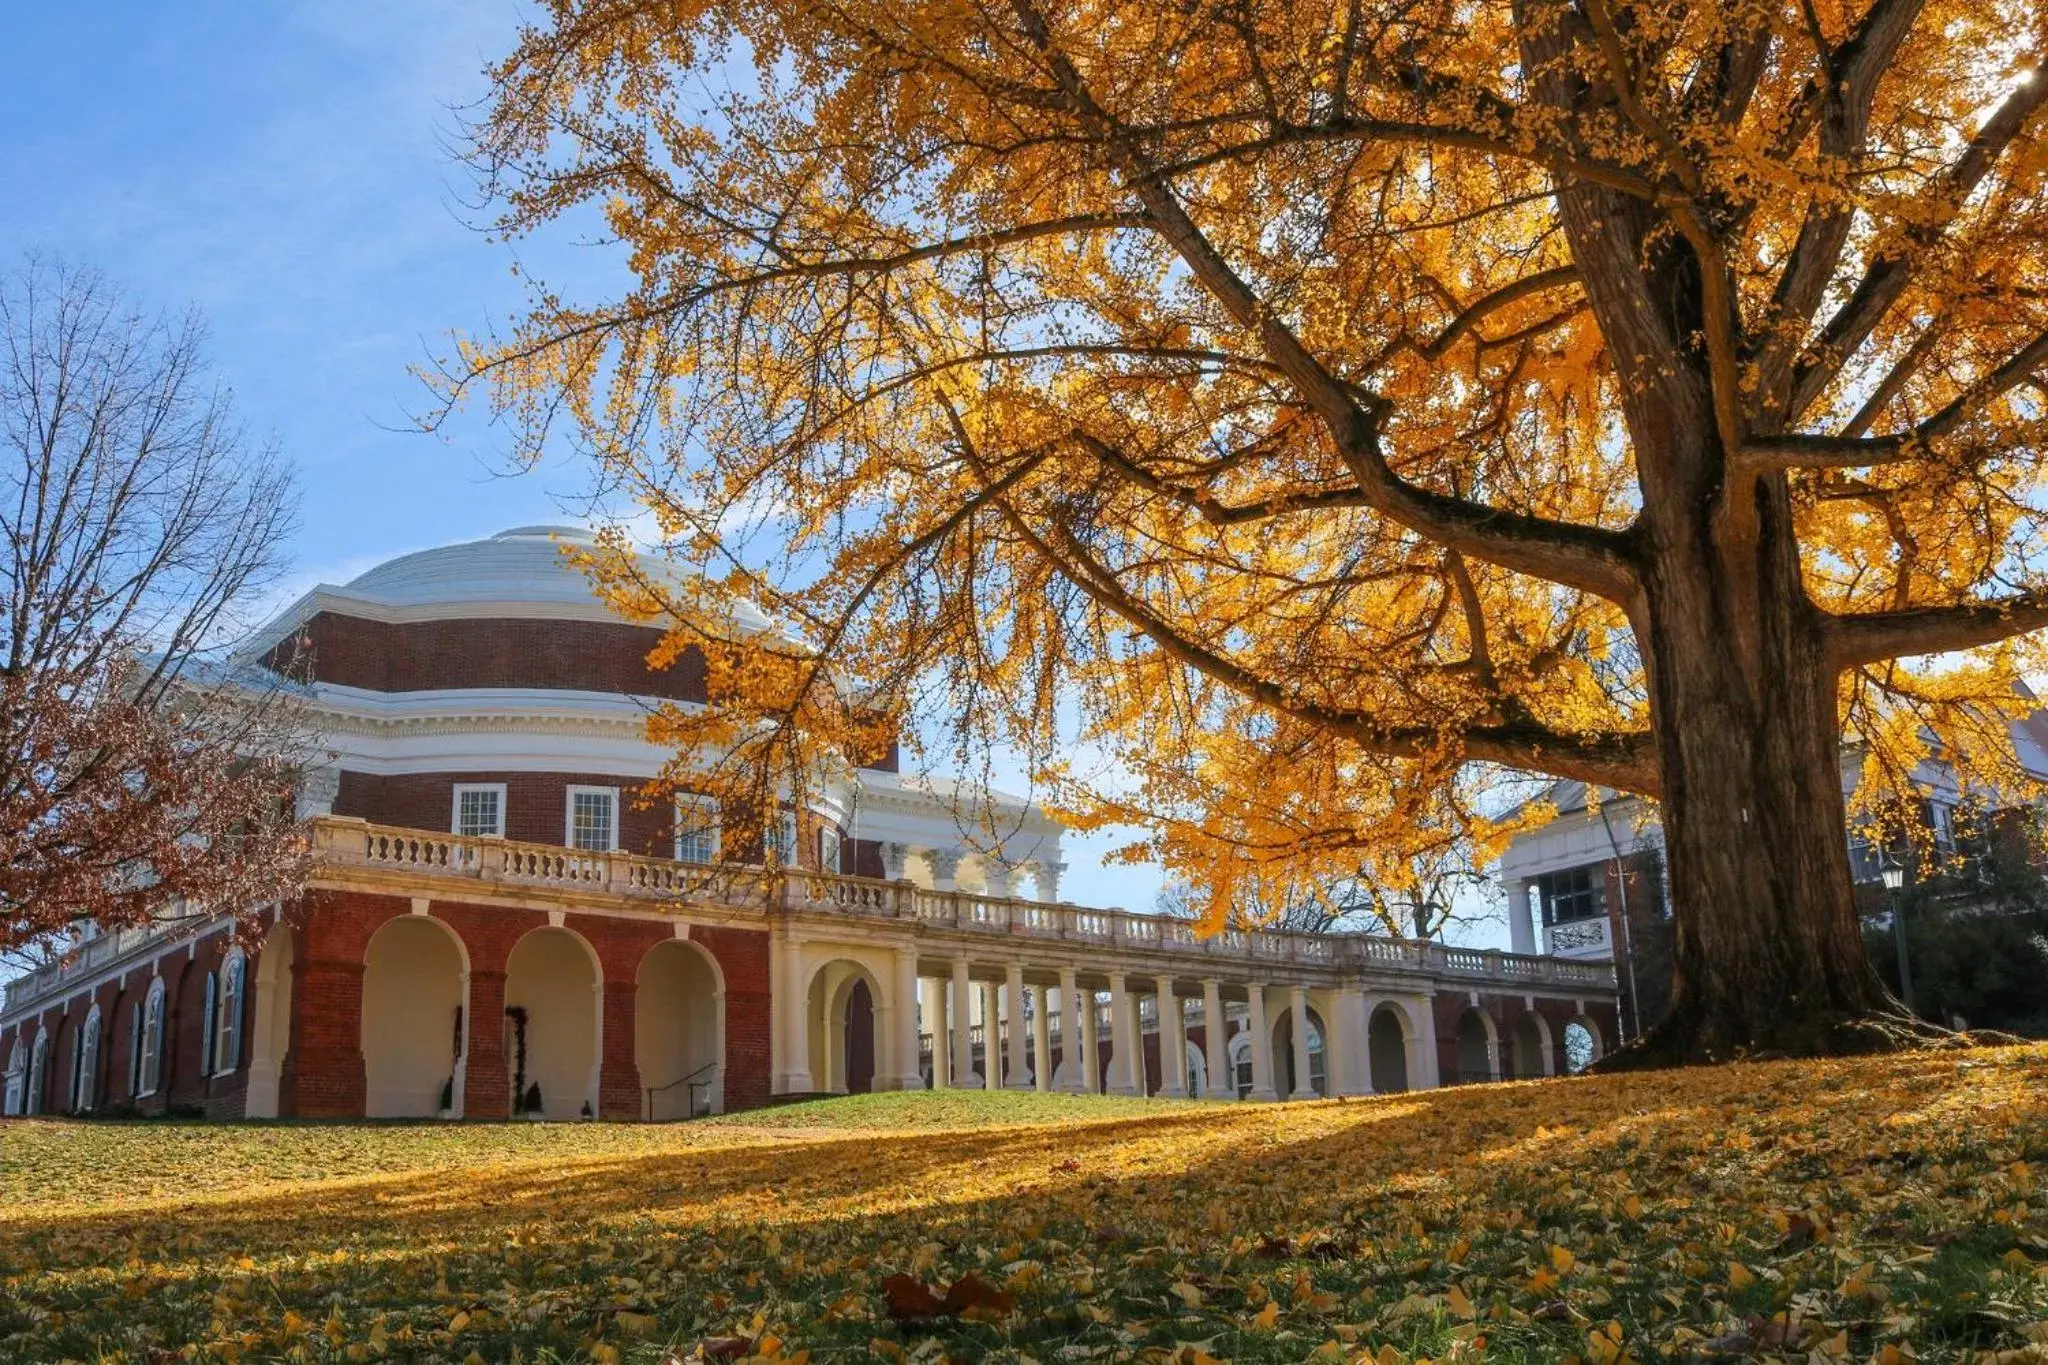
(1846, 1212)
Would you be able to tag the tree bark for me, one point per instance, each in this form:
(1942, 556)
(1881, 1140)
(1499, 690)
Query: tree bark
(1768, 952)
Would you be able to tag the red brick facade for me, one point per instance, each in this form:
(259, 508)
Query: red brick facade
(321, 1071)
(425, 656)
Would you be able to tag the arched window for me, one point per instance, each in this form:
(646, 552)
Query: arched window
(1198, 1072)
(17, 1077)
(227, 1014)
(88, 1063)
(149, 1043)
(1241, 1061)
(38, 1066)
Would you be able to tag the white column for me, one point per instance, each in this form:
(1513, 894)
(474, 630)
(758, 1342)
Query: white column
(1173, 1044)
(934, 1009)
(962, 1015)
(1071, 1055)
(1521, 924)
(1424, 1070)
(945, 865)
(317, 790)
(908, 1077)
(1353, 1044)
(1216, 1043)
(991, 1039)
(996, 878)
(1020, 1041)
(1262, 1045)
(796, 1022)
(1304, 1083)
(1123, 1078)
(1045, 879)
(895, 860)
(1041, 1037)
(1091, 1047)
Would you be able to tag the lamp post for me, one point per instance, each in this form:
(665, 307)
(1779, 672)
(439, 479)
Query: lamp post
(1894, 874)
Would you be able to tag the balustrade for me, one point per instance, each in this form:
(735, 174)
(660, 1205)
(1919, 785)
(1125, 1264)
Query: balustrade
(341, 841)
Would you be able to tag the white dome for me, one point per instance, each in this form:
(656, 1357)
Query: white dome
(520, 573)
(524, 566)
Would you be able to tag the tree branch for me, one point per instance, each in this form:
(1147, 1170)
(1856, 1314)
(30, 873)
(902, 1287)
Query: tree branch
(1855, 452)
(1888, 276)
(1622, 761)
(1588, 558)
(1871, 636)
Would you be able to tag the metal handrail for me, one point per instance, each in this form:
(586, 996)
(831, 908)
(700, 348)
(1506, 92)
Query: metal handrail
(691, 1080)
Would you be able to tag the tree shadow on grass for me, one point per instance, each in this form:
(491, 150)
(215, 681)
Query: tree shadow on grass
(801, 1228)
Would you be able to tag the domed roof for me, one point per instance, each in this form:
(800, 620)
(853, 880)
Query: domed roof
(524, 565)
(521, 573)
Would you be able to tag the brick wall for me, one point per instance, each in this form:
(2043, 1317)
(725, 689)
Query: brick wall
(420, 656)
(537, 806)
(324, 1075)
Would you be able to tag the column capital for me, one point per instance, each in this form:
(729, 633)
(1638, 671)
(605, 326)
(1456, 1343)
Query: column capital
(945, 866)
(895, 860)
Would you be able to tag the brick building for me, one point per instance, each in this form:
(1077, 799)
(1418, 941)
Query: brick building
(498, 923)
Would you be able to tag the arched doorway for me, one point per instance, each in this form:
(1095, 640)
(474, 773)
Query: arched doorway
(1530, 1043)
(1478, 1057)
(270, 1038)
(1198, 1072)
(415, 993)
(1387, 1050)
(553, 1001)
(679, 1032)
(1582, 1045)
(1283, 1055)
(840, 1013)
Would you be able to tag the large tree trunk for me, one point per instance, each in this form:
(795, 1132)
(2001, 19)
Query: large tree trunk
(1768, 951)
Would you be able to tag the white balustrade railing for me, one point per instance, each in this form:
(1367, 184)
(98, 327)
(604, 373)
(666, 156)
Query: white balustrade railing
(341, 842)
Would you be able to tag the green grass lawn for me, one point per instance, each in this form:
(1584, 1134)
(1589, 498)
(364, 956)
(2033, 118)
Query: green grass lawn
(1886, 1210)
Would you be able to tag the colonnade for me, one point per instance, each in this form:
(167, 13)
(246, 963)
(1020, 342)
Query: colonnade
(1022, 1023)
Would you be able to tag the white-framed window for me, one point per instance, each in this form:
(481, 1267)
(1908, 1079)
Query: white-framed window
(696, 829)
(779, 839)
(1241, 1061)
(593, 819)
(828, 848)
(38, 1065)
(17, 1078)
(479, 810)
(87, 1063)
(149, 1050)
(227, 1015)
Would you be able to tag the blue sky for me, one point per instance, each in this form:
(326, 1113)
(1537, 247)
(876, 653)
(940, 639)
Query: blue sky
(288, 168)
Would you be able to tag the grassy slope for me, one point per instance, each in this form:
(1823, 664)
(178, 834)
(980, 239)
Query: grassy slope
(1874, 1204)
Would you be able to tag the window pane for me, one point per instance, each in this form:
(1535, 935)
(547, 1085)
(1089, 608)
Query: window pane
(696, 829)
(590, 827)
(478, 812)
(781, 838)
(1576, 894)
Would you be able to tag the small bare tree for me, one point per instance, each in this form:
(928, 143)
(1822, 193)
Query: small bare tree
(1440, 886)
(138, 780)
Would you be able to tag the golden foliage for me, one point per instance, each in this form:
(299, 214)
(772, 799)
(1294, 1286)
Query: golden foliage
(1864, 1210)
(1295, 403)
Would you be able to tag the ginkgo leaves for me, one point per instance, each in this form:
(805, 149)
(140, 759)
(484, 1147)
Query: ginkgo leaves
(1862, 1211)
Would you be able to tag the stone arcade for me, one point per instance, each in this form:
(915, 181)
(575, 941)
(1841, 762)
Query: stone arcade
(495, 924)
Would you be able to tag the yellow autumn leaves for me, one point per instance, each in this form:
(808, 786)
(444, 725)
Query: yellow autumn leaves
(1884, 1210)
